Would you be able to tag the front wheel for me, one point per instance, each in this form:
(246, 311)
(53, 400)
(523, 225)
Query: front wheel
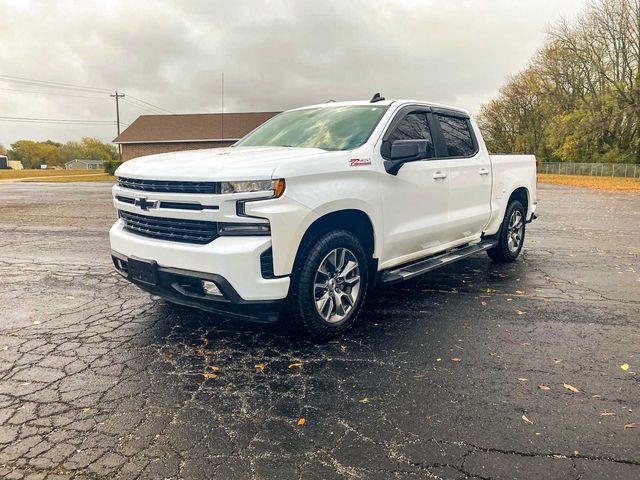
(328, 285)
(510, 235)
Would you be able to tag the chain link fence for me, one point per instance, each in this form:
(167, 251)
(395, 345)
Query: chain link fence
(591, 169)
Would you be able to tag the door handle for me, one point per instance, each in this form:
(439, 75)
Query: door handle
(484, 171)
(439, 174)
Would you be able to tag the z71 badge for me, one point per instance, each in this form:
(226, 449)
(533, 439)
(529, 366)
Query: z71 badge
(359, 162)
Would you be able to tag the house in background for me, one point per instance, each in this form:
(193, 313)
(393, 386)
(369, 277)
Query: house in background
(80, 164)
(150, 134)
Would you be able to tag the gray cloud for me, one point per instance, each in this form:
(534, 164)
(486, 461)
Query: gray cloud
(275, 55)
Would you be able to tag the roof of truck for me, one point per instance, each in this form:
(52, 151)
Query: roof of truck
(385, 102)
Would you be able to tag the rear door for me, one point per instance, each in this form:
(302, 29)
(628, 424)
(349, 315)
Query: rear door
(469, 175)
(415, 200)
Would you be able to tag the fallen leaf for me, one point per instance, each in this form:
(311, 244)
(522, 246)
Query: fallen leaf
(210, 376)
(260, 367)
(571, 388)
(456, 360)
(484, 304)
(524, 417)
(438, 359)
(557, 360)
(5, 347)
(624, 366)
(544, 387)
(520, 312)
(364, 400)
(301, 421)
(36, 322)
(204, 353)
(213, 369)
(523, 379)
(607, 414)
(519, 292)
(295, 365)
(631, 425)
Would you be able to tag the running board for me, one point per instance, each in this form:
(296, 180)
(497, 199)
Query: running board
(405, 272)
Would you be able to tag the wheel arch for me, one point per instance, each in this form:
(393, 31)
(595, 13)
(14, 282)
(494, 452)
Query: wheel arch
(353, 220)
(522, 195)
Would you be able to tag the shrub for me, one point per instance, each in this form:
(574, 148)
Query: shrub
(111, 165)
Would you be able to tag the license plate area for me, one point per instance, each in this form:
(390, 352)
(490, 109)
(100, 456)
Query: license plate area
(143, 271)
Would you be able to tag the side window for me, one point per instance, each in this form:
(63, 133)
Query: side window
(413, 126)
(457, 136)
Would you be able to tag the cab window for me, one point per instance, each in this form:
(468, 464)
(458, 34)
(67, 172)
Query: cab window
(457, 136)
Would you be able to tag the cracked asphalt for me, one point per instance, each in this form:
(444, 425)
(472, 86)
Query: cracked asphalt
(441, 380)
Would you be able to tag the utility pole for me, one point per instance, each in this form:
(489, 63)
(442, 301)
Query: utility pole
(117, 96)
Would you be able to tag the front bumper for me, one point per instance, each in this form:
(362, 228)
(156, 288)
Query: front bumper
(236, 259)
(185, 288)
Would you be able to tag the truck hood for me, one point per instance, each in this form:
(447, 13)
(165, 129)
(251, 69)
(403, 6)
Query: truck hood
(215, 164)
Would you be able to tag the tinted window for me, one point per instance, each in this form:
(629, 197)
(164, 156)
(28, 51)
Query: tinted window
(457, 136)
(413, 126)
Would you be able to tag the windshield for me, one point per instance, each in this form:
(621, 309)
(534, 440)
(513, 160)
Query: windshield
(329, 128)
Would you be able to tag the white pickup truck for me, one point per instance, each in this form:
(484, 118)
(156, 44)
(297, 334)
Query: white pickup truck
(310, 210)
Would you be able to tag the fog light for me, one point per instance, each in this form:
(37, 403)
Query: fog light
(210, 288)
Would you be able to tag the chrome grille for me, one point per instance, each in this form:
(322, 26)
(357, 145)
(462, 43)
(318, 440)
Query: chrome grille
(173, 229)
(169, 186)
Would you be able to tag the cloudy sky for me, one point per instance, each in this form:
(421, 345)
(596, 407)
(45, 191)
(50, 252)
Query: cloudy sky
(274, 54)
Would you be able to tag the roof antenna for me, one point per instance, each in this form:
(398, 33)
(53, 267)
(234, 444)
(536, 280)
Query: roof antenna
(377, 98)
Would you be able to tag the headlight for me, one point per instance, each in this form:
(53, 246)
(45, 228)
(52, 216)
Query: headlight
(276, 187)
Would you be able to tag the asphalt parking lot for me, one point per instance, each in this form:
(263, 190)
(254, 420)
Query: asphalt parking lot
(460, 374)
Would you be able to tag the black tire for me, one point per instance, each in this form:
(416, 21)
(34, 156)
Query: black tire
(505, 251)
(302, 310)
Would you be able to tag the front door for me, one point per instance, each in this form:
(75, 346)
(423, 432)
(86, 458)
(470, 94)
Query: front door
(415, 200)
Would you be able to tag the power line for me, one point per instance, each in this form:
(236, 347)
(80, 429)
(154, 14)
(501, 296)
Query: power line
(53, 93)
(33, 81)
(142, 107)
(58, 120)
(151, 104)
(70, 86)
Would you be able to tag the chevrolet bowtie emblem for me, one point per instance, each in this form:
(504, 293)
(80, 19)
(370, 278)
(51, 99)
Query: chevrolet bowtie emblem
(145, 204)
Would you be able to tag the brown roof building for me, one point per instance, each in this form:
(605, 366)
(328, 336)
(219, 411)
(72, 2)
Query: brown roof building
(150, 134)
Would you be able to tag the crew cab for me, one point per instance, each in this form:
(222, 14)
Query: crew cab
(303, 216)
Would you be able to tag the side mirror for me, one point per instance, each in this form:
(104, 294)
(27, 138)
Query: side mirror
(403, 151)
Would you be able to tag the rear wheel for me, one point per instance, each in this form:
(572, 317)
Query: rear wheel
(511, 234)
(328, 285)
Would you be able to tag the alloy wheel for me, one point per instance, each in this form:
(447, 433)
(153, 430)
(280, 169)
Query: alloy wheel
(515, 232)
(337, 285)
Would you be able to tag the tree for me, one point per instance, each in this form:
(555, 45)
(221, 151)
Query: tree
(70, 151)
(94, 149)
(33, 154)
(3, 151)
(579, 100)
